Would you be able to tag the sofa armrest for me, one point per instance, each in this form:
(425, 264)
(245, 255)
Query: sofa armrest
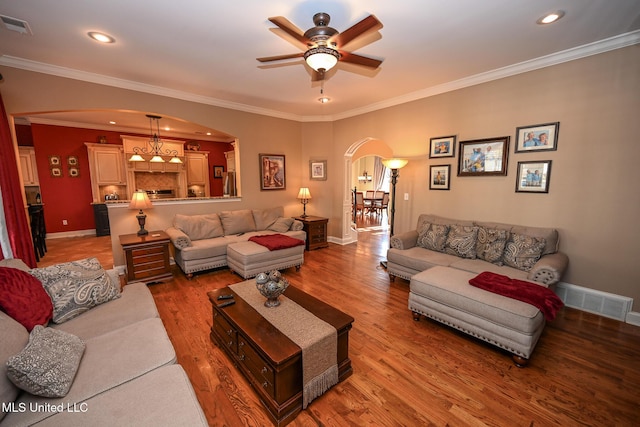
(404, 240)
(297, 225)
(549, 268)
(179, 239)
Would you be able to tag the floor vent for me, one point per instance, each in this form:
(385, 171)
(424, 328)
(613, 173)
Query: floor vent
(15, 24)
(598, 302)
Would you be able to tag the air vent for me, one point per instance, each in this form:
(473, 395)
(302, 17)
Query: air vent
(15, 24)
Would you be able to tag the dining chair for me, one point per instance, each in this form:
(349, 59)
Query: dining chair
(359, 202)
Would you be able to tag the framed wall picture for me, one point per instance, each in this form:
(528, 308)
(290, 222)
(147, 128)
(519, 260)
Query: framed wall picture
(533, 177)
(439, 177)
(483, 157)
(72, 160)
(443, 146)
(272, 172)
(318, 170)
(74, 171)
(217, 171)
(54, 161)
(542, 137)
(56, 171)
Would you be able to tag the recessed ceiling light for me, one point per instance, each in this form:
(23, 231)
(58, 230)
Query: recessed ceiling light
(112, 122)
(324, 100)
(101, 37)
(550, 17)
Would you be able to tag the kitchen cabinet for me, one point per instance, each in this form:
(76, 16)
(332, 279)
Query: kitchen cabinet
(28, 166)
(107, 170)
(197, 168)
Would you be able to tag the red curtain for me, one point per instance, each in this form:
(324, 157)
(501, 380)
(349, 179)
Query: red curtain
(14, 212)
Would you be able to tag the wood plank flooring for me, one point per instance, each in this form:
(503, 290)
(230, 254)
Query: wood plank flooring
(585, 370)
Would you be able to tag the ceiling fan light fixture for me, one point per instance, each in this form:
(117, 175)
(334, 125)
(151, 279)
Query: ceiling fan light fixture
(101, 37)
(550, 17)
(324, 100)
(321, 58)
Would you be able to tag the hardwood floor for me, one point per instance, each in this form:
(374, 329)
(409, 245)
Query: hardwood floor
(584, 371)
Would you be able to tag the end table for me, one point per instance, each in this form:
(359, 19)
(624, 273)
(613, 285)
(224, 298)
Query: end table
(147, 257)
(316, 229)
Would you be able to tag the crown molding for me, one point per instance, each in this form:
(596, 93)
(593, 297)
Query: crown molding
(612, 43)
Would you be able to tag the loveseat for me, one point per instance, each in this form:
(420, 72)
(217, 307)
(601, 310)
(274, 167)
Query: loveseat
(443, 259)
(200, 241)
(105, 364)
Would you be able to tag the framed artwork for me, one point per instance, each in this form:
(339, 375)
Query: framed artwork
(533, 177)
(217, 171)
(74, 171)
(54, 161)
(72, 160)
(443, 146)
(56, 172)
(439, 177)
(318, 170)
(537, 137)
(272, 172)
(483, 157)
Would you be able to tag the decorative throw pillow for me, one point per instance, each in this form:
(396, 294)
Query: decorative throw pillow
(436, 238)
(264, 218)
(461, 241)
(48, 364)
(240, 221)
(491, 243)
(76, 286)
(522, 252)
(23, 298)
(423, 228)
(281, 225)
(199, 227)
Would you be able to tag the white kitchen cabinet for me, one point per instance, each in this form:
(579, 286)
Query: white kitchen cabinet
(28, 166)
(107, 171)
(197, 163)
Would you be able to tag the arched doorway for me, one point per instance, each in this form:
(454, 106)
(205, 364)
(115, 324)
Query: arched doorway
(365, 147)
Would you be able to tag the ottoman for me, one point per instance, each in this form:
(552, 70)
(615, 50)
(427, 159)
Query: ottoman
(444, 294)
(249, 258)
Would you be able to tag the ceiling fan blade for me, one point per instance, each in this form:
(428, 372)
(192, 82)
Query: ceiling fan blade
(281, 57)
(369, 23)
(365, 61)
(285, 25)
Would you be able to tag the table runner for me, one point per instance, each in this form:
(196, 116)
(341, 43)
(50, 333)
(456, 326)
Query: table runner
(317, 339)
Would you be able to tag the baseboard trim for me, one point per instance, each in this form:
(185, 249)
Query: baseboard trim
(75, 233)
(633, 318)
(598, 302)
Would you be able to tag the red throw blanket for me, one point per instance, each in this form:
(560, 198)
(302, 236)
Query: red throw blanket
(273, 242)
(538, 296)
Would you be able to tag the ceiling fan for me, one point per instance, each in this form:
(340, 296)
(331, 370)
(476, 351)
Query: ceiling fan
(323, 45)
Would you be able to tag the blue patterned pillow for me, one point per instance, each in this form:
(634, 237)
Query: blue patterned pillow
(76, 286)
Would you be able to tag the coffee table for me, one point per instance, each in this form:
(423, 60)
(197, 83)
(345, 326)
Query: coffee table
(270, 361)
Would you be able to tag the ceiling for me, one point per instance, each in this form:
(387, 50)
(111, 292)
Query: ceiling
(206, 51)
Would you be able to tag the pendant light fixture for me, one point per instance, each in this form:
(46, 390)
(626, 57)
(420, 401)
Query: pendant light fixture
(154, 147)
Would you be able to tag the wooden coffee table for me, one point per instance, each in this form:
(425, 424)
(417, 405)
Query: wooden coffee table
(268, 359)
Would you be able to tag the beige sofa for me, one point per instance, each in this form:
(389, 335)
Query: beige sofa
(441, 255)
(127, 374)
(200, 241)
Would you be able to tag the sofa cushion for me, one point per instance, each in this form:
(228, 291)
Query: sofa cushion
(14, 338)
(522, 252)
(264, 218)
(281, 225)
(435, 238)
(419, 259)
(48, 364)
(479, 266)
(23, 298)
(490, 244)
(461, 241)
(199, 227)
(239, 221)
(76, 286)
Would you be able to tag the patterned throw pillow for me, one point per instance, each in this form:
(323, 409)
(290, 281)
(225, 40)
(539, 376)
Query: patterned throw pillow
(23, 298)
(423, 228)
(461, 241)
(435, 238)
(76, 286)
(522, 252)
(491, 243)
(48, 364)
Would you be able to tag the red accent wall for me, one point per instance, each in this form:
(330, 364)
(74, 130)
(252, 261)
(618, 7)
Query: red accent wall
(67, 198)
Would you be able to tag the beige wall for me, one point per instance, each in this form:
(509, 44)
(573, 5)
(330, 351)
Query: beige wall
(593, 199)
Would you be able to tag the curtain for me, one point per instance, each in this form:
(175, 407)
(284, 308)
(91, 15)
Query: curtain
(14, 223)
(378, 173)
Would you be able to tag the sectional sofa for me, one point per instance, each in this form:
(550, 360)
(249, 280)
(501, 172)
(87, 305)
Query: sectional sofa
(113, 364)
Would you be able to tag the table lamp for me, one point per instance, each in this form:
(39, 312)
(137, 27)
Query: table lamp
(304, 195)
(140, 200)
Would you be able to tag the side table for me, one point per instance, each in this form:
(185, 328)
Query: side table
(147, 257)
(316, 229)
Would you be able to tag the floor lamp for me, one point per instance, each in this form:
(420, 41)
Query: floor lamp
(394, 165)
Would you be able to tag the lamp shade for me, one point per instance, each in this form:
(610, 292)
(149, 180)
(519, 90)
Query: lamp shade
(321, 58)
(395, 163)
(304, 193)
(140, 200)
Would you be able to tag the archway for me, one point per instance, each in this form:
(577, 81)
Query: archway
(366, 146)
